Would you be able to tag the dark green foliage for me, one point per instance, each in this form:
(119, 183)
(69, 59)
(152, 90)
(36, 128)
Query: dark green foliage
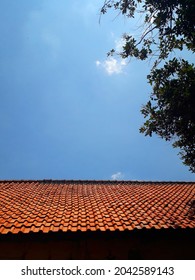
(169, 26)
(171, 108)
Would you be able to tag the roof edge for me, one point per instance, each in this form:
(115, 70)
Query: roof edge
(92, 181)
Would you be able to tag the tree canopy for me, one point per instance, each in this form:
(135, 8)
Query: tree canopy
(168, 26)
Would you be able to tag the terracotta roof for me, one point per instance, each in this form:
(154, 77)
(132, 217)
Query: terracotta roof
(33, 206)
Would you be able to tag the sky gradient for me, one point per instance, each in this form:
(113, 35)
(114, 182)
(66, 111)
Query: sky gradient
(67, 111)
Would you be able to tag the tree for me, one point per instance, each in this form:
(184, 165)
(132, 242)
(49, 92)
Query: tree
(169, 26)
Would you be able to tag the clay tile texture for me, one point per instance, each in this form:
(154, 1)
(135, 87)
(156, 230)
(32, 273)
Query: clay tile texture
(52, 205)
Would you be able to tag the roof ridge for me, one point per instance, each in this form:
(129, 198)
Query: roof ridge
(93, 181)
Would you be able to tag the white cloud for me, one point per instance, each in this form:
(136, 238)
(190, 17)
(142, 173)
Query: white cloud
(112, 65)
(119, 43)
(117, 176)
(98, 62)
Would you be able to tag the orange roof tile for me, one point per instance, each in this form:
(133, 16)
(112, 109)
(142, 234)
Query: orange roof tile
(33, 206)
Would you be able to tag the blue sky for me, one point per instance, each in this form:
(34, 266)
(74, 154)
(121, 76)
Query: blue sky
(66, 110)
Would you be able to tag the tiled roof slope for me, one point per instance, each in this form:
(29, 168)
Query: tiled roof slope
(33, 206)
